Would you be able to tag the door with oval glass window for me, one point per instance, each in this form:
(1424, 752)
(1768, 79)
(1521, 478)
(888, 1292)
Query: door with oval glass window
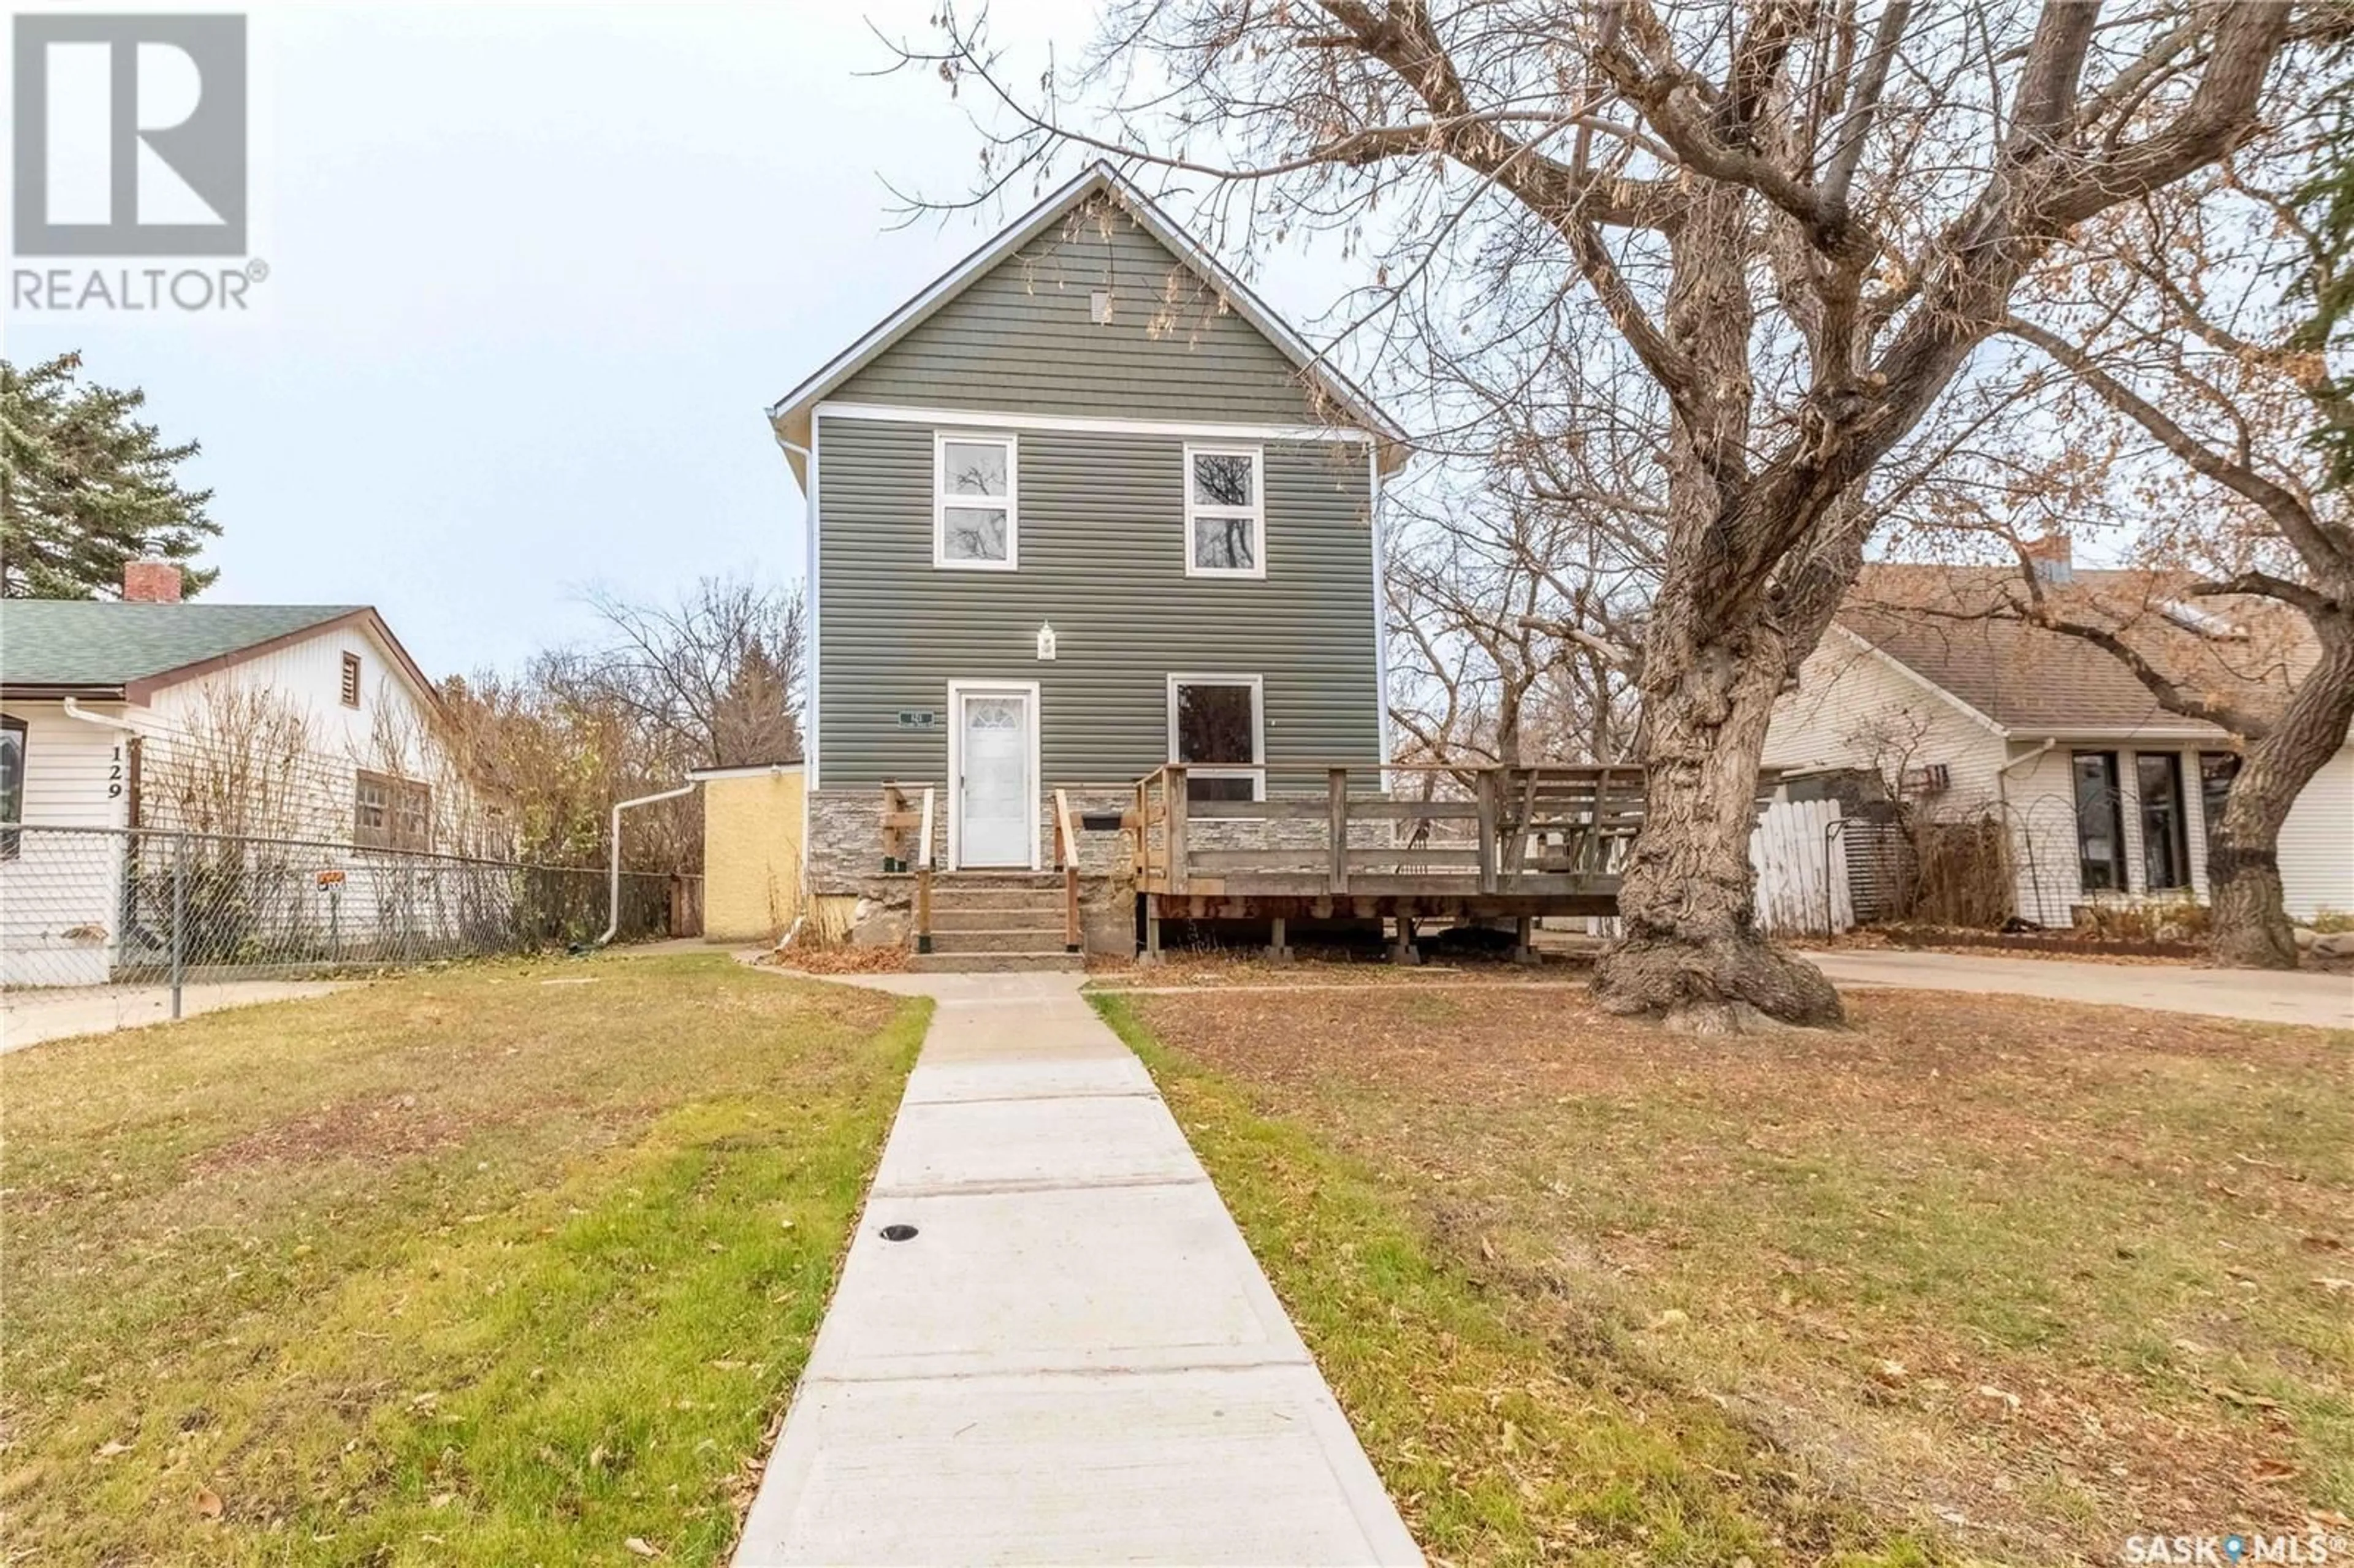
(996, 799)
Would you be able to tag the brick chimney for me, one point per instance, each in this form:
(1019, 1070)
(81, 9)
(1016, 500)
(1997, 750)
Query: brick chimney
(2052, 558)
(151, 582)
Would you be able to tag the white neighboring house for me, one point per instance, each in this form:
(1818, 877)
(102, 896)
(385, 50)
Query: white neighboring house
(2106, 796)
(103, 703)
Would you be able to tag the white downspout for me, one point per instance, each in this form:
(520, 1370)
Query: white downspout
(2026, 839)
(809, 656)
(613, 857)
(74, 710)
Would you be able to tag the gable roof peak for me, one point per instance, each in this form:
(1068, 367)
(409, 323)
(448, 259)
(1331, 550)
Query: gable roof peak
(791, 415)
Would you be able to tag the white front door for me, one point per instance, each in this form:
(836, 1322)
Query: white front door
(997, 800)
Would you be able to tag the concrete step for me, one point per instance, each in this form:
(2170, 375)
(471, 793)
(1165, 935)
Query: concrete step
(993, 963)
(1004, 939)
(1026, 899)
(961, 879)
(1043, 919)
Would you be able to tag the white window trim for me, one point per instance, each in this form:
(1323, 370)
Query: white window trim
(1257, 771)
(941, 499)
(1257, 511)
(958, 690)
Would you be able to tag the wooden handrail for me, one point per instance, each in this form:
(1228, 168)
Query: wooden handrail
(1066, 854)
(924, 878)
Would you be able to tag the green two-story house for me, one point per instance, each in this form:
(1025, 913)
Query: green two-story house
(1083, 507)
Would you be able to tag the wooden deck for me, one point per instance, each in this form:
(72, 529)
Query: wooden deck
(1495, 843)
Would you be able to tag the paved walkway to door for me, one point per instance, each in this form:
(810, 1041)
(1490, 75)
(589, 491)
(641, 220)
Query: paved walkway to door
(1073, 1357)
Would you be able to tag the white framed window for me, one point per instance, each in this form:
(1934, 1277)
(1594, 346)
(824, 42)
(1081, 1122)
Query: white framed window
(976, 514)
(1217, 729)
(1225, 512)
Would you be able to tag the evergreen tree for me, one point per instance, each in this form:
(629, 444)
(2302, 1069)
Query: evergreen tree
(86, 487)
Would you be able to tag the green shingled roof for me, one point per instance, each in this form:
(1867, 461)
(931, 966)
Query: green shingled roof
(101, 642)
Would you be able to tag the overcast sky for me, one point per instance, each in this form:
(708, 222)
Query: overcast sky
(535, 272)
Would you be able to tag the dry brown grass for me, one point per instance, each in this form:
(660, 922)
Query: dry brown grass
(2020, 1276)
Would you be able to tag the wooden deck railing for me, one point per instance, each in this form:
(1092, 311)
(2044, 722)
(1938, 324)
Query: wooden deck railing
(1499, 831)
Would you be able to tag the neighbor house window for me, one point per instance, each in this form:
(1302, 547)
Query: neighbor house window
(351, 680)
(975, 514)
(2216, 771)
(1216, 729)
(391, 814)
(1225, 512)
(2165, 843)
(2099, 821)
(12, 784)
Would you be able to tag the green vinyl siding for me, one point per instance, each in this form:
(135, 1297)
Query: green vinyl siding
(1102, 550)
(1020, 338)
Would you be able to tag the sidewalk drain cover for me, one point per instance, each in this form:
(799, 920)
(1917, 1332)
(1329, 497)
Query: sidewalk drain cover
(898, 1232)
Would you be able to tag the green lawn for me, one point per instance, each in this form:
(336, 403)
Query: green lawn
(1973, 1281)
(513, 1263)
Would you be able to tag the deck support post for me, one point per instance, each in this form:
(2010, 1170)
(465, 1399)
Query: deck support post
(1278, 950)
(1402, 952)
(1525, 950)
(1152, 929)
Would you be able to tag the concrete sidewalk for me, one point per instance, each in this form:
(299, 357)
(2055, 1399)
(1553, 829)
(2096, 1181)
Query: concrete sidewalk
(1074, 1358)
(2266, 996)
(31, 1017)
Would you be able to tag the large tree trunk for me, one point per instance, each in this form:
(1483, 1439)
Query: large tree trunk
(2249, 925)
(1714, 657)
(1689, 952)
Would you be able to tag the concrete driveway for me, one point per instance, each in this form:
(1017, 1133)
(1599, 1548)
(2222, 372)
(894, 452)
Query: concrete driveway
(29, 1017)
(2321, 1000)
(1069, 1354)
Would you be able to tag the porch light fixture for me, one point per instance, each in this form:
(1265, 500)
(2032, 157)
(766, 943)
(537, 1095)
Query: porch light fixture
(1046, 640)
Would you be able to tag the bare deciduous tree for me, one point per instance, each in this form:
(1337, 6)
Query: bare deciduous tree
(1797, 221)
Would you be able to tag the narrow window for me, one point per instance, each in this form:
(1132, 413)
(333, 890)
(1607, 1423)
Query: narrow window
(975, 514)
(2099, 821)
(12, 784)
(2216, 771)
(351, 680)
(1216, 728)
(372, 811)
(2165, 854)
(1225, 516)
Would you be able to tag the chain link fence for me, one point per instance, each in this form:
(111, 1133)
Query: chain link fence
(88, 906)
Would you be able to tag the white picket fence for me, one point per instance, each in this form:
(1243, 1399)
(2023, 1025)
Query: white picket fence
(1801, 863)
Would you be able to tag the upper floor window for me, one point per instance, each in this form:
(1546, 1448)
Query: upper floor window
(351, 680)
(1226, 514)
(975, 512)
